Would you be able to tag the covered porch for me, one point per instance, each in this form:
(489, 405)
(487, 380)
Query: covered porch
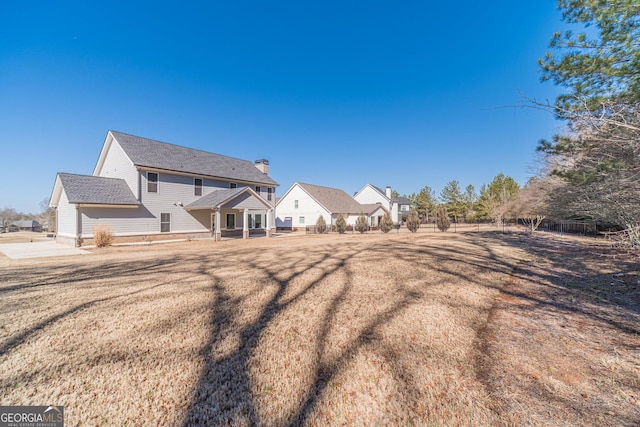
(235, 212)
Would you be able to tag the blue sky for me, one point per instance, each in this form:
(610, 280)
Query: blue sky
(405, 94)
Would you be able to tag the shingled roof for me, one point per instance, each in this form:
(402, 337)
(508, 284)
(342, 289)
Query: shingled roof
(335, 200)
(144, 152)
(219, 198)
(89, 189)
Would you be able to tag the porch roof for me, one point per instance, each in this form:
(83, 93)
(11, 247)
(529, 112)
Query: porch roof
(219, 198)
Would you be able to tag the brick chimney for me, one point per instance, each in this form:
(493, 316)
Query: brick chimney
(263, 166)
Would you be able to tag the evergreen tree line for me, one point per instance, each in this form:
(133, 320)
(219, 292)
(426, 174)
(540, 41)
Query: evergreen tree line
(494, 202)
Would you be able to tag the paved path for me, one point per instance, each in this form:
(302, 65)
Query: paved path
(38, 250)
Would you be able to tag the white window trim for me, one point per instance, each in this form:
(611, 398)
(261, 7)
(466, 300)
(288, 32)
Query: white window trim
(201, 187)
(157, 182)
(269, 193)
(296, 204)
(161, 222)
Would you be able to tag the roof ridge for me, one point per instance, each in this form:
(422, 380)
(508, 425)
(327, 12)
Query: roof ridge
(179, 146)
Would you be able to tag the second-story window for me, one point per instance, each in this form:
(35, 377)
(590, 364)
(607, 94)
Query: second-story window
(269, 193)
(233, 185)
(197, 186)
(152, 182)
(295, 204)
(258, 189)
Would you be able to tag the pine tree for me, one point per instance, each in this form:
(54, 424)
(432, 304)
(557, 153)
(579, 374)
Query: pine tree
(341, 224)
(442, 219)
(361, 223)
(321, 225)
(386, 225)
(413, 221)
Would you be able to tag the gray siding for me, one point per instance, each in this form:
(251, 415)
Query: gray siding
(121, 221)
(173, 189)
(117, 165)
(66, 216)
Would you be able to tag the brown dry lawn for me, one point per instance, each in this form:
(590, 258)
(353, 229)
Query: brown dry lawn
(425, 329)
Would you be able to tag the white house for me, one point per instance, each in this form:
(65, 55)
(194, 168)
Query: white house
(303, 204)
(398, 206)
(146, 189)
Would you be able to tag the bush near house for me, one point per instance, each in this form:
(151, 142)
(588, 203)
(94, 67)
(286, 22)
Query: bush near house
(413, 221)
(102, 235)
(386, 225)
(321, 225)
(341, 224)
(361, 223)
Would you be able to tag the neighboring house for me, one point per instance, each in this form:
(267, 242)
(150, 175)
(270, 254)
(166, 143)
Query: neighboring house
(146, 189)
(398, 206)
(303, 204)
(26, 225)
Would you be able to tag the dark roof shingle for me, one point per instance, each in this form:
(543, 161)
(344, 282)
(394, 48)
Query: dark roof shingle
(161, 155)
(91, 189)
(215, 198)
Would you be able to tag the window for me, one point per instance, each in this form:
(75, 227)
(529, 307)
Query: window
(258, 189)
(152, 182)
(258, 221)
(197, 186)
(404, 208)
(231, 221)
(300, 220)
(295, 204)
(165, 222)
(373, 221)
(233, 185)
(269, 193)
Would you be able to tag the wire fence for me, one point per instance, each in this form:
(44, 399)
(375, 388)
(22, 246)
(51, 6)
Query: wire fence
(575, 227)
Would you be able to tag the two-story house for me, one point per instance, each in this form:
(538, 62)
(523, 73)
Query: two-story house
(143, 189)
(398, 206)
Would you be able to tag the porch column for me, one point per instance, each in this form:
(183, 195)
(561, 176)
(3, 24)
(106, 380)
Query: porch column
(269, 220)
(217, 232)
(245, 224)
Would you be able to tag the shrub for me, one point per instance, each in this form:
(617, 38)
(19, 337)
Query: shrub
(386, 225)
(321, 225)
(102, 235)
(361, 223)
(413, 222)
(341, 224)
(442, 219)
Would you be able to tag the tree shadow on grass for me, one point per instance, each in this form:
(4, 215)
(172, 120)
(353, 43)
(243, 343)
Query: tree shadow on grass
(226, 393)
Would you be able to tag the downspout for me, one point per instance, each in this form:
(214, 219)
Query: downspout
(78, 227)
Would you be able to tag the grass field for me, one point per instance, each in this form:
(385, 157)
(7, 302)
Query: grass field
(435, 329)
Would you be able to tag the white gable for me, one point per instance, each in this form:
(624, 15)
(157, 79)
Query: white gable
(300, 207)
(369, 195)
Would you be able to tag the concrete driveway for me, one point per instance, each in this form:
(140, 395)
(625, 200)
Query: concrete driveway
(38, 250)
